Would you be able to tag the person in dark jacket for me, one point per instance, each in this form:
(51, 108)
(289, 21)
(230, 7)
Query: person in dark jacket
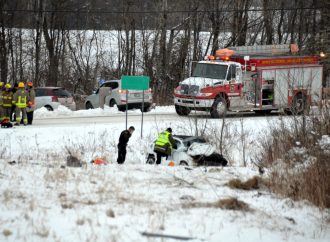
(30, 103)
(123, 140)
(164, 145)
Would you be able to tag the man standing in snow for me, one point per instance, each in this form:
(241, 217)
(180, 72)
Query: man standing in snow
(164, 144)
(19, 99)
(123, 140)
(103, 93)
(31, 102)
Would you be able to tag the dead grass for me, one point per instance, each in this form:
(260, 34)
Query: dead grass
(6, 232)
(67, 205)
(232, 204)
(299, 166)
(250, 184)
(227, 203)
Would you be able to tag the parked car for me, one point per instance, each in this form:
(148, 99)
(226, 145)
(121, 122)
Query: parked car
(52, 97)
(191, 151)
(118, 97)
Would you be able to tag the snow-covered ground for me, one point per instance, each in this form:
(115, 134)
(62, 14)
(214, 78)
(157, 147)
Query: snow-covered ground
(42, 200)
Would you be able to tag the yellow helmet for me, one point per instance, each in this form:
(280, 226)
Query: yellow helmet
(1, 84)
(8, 86)
(21, 84)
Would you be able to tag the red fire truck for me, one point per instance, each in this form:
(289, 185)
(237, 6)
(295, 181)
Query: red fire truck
(251, 78)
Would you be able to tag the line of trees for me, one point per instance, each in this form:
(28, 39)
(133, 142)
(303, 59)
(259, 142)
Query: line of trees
(74, 43)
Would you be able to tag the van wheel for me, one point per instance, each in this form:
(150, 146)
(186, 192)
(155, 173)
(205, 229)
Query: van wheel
(182, 111)
(299, 104)
(219, 108)
(183, 163)
(89, 106)
(112, 103)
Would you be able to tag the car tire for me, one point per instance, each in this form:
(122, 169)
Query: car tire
(112, 103)
(215, 159)
(183, 163)
(151, 160)
(262, 112)
(299, 104)
(49, 108)
(182, 111)
(145, 109)
(89, 106)
(219, 108)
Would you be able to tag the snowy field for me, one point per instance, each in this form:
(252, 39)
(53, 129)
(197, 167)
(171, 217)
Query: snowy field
(42, 200)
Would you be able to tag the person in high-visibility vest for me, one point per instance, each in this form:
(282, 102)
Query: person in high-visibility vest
(20, 98)
(30, 103)
(164, 145)
(1, 101)
(13, 108)
(7, 99)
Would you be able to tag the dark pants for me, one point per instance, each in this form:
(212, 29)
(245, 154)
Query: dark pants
(30, 117)
(121, 154)
(159, 157)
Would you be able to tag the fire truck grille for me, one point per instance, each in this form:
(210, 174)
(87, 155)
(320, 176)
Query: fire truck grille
(189, 89)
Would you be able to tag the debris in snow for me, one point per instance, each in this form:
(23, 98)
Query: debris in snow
(72, 161)
(187, 197)
(110, 213)
(291, 220)
(166, 236)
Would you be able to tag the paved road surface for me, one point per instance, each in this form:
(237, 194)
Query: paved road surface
(120, 118)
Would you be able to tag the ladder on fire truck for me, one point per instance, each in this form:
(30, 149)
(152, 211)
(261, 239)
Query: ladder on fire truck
(265, 50)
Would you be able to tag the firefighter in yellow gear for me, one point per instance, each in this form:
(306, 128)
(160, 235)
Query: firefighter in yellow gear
(20, 98)
(164, 145)
(7, 99)
(1, 101)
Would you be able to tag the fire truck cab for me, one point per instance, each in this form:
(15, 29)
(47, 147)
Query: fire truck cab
(259, 79)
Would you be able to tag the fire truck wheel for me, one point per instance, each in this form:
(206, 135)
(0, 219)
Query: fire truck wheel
(182, 111)
(299, 104)
(219, 108)
(262, 112)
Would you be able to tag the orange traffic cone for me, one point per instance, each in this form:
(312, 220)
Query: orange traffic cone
(99, 161)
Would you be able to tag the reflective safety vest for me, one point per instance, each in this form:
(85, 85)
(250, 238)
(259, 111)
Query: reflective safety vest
(20, 98)
(1, 98)
(163, 139)
(7, 98)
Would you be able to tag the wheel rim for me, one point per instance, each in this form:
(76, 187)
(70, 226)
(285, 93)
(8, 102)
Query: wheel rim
(299, 104)
(221, 109)
(183, 163)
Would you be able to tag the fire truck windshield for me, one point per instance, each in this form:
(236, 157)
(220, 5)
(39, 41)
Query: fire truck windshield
(214, 71)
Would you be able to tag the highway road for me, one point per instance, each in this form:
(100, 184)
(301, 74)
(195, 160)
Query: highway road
(132, 117)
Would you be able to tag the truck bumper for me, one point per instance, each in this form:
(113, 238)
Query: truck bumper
(194, 103)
